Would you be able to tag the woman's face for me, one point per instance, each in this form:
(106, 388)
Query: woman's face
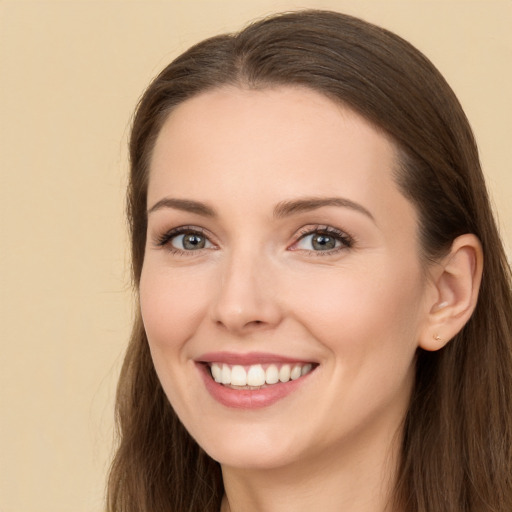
(281, 251)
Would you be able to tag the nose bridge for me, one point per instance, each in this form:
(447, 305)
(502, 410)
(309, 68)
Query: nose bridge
(246, 297)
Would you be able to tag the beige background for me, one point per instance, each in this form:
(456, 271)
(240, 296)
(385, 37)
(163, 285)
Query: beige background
(70, 75)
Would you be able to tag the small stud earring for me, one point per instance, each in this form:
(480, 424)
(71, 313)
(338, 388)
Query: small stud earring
(436, 337)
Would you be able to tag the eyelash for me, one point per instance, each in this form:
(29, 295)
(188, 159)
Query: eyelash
(165, 239)
(345, 239)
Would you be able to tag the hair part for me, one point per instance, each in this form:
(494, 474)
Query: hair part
(457, 440)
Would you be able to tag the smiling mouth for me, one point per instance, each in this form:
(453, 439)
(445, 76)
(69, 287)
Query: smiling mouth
(257, 376)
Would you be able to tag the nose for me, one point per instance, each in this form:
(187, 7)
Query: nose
(247, 297)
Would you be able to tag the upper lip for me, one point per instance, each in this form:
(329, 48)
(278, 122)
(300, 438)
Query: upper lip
(248, 358)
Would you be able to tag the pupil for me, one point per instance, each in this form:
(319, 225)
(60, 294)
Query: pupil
(323, 242)
(193, 241)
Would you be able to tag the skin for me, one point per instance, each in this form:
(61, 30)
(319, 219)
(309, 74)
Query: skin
(358, 311)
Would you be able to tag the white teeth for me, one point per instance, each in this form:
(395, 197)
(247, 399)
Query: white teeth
(306, 368)
(226, 374)
(216, 373)
(238, 376)
(256, 376)
(296, 372)
(272, 374)
(284, 373)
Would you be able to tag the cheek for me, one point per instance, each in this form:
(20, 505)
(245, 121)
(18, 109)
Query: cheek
(364, 312)
(172, 304)
(369, 324)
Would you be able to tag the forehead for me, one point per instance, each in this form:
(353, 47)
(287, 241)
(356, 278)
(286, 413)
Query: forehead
(272, 144)
(292, 111)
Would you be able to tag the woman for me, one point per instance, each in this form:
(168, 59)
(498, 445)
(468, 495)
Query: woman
(324, 299)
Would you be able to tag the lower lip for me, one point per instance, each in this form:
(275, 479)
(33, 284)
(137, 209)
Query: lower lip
(249, 398)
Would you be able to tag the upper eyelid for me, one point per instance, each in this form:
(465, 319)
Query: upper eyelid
(346, 239)
(166, 236)
(323, 228)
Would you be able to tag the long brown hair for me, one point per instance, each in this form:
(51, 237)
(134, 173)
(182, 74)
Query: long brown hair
(456, 451)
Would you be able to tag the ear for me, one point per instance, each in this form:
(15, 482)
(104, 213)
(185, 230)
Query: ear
(455, 282)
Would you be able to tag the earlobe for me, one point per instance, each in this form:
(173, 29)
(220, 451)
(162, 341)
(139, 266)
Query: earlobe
(456, 281)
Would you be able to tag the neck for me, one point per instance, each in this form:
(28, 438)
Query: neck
(350, 479)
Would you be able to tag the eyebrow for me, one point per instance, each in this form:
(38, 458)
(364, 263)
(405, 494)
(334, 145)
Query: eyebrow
(287, 208)
(281, 210)
(185, 205)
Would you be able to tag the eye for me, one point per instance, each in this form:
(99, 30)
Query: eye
(322, 239)
(190, 241)
(184, 239)
(318, 242)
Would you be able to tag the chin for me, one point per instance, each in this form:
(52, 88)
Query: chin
(246, 449)
(250, 458)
